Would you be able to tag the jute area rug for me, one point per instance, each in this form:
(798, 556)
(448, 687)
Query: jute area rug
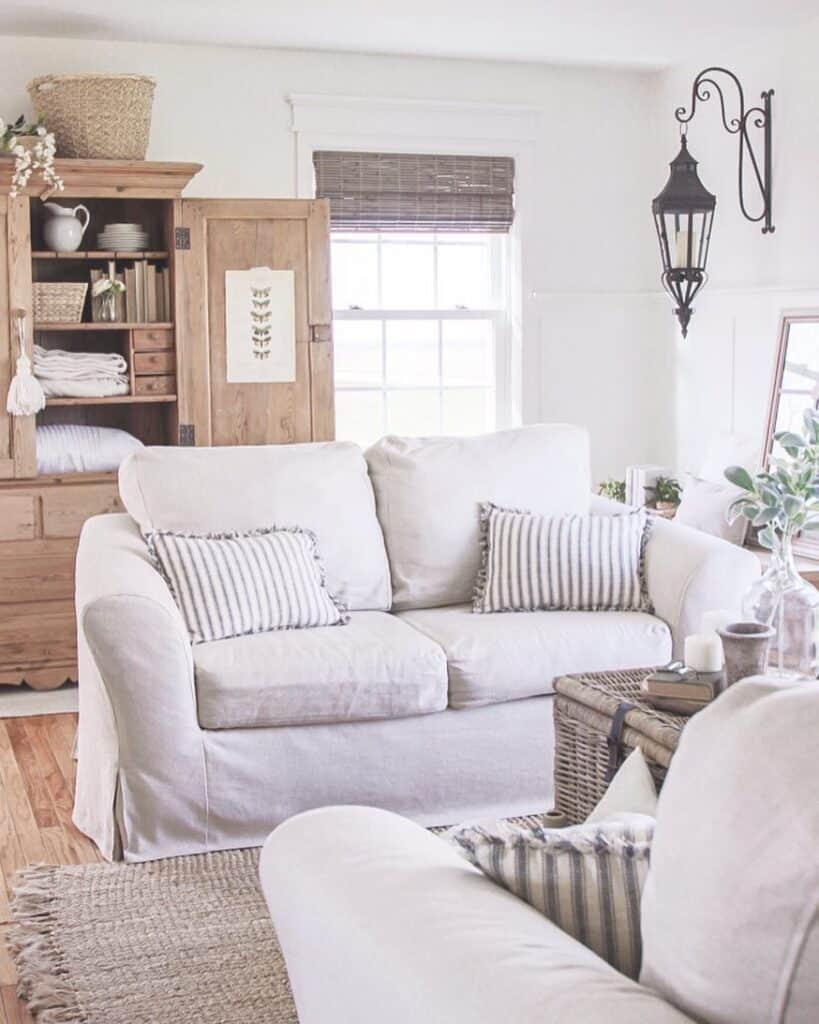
(180, 941)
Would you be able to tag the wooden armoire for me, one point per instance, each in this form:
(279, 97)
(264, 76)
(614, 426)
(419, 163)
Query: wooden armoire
(179, 393)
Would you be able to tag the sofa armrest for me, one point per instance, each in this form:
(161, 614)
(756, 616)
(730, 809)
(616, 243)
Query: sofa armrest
(690, 572)
(379, 920)
(140, 746)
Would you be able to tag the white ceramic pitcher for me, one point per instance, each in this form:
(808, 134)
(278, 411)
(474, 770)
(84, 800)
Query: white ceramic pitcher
(63, 230)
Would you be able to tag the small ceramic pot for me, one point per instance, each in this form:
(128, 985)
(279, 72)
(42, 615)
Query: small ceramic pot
(746, 646)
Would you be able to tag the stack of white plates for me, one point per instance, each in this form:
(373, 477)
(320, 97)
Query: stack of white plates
(123, 237)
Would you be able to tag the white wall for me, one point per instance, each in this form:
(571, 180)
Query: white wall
(597, 348)
(723, 370)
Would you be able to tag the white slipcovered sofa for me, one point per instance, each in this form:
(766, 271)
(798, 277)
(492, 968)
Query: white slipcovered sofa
(417, 705)
(381, 921)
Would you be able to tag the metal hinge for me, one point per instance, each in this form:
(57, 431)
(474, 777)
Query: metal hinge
(187, 435)
(182, 238)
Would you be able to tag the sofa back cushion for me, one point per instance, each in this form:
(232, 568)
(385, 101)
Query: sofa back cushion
(730, 912)
(429, 492)
(319, 487)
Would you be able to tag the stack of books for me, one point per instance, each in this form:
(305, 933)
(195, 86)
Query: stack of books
(681, 690)
(147, 295)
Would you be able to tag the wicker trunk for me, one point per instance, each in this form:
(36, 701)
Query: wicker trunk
(600, 717)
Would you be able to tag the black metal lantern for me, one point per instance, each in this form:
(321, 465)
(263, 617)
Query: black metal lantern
(683, 214)
(684, 210)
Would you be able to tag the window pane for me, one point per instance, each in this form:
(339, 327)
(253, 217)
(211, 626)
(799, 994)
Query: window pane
(467, 356)
(407, 276)
(467, 411)
(412, 352)
(357, 350)
(413, 412)
(463, 276)
(359, 416)
(355, 274)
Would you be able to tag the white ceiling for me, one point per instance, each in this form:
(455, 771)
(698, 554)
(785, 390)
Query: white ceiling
(638, 33)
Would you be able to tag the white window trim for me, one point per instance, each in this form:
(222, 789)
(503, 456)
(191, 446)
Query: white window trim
(433, 126)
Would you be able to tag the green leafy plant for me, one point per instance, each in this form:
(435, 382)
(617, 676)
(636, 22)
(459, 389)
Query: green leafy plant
(665, 489)
(614, 489)
(784, 499)
(37, 157)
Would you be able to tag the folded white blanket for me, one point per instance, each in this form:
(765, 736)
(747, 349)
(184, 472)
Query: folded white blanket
(57, 364)
(91, 387)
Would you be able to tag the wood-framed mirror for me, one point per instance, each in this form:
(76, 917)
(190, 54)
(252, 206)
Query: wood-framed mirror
(795, 387)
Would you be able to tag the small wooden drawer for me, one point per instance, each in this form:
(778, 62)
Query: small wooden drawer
(41, 570)
(164, 385)
(152, 339)
(18, 517)
(32, 635)
(154, 362)
(66, 508)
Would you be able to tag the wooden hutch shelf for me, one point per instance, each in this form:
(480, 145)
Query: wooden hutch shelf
(107, 326)
(109, 400)
(102, 254)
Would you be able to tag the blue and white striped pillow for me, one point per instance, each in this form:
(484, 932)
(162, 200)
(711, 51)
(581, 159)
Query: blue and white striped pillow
(231, 584)
(572, 563)
(587, 879)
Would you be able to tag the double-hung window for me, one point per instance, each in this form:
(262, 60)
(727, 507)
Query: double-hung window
(421, 317)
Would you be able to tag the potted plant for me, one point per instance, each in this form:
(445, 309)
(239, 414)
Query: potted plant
(614, 489)
(781, 502)
(665, 496)
(33, 148)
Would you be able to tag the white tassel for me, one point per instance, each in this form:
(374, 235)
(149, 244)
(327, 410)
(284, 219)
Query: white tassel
(26, 396)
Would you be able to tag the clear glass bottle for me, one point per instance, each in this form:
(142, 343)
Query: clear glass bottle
(782, 599)
(108, 306)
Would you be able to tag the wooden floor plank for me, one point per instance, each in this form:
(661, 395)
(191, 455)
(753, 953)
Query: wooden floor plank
(32, 773)
(60, 739)
(16, 795)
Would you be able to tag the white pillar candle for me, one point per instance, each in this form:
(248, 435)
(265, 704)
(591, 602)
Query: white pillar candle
(717, 619)
(703, 652)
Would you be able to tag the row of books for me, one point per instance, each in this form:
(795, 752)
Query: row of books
(147, 295)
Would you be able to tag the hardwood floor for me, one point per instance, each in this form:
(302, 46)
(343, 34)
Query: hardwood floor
(37, 775)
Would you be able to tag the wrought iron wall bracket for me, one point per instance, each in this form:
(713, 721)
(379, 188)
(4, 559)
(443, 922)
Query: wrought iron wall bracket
(760, 117)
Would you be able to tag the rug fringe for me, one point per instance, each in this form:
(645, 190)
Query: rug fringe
(43, 981)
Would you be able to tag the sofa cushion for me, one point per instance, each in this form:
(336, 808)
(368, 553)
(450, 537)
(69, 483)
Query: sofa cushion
(375, 667)
(493, 658)
(428, 492)
(319, 487)
(730, 913)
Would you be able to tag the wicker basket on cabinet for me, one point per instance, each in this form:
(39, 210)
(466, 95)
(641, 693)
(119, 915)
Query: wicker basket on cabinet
(96, 116)
(59, 302)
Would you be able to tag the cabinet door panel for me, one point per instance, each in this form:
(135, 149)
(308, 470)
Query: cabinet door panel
(239, 235)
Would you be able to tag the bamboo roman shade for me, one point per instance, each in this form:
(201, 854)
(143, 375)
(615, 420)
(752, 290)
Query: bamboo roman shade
(414, 192)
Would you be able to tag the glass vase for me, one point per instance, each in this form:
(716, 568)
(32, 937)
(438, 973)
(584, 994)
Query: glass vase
(790, 605)
(108, 307)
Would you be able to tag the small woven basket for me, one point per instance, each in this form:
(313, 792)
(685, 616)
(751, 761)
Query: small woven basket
(59, 302)
(94, 116)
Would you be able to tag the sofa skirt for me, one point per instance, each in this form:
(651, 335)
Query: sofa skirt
(438, 769)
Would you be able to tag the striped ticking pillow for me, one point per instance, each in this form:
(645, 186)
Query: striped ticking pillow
(587, 879)
(573, 563)
(230, 584)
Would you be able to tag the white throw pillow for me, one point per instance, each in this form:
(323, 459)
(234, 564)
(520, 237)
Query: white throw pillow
(233, 584)
(704, 506)
(79, 448)
(587, 879)
(570, 563)
(631, 791)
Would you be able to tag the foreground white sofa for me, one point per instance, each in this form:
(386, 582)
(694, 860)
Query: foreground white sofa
(418, 705)
(382, 921)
